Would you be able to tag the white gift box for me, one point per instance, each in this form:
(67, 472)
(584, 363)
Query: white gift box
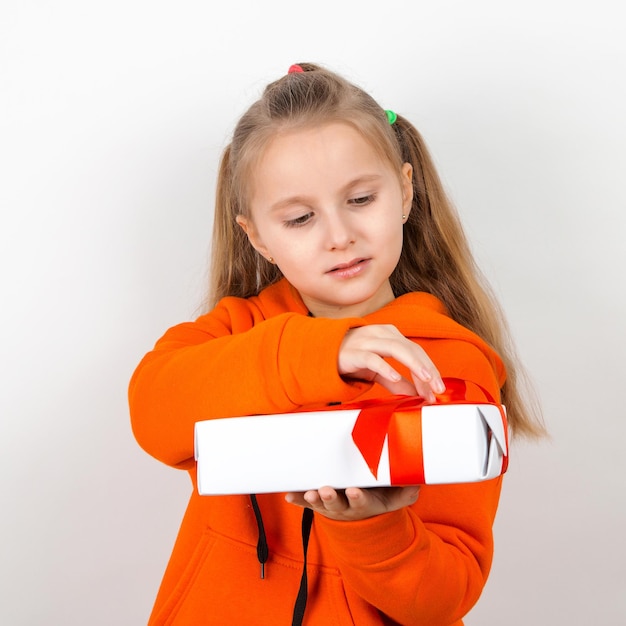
(391, 445)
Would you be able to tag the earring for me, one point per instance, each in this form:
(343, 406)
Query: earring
(404, 218)
(270, 259)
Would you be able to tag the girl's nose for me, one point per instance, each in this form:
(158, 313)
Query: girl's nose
(340, 234)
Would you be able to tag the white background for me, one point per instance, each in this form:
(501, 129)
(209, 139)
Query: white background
(112, 118)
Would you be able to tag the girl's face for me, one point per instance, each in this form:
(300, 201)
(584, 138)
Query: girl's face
(329, 212)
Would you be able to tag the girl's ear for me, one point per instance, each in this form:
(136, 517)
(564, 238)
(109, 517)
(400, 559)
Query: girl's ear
(406, 179)
(253, 236)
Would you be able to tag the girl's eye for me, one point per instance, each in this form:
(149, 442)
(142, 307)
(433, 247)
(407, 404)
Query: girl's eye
(362, 200)
(298, 221)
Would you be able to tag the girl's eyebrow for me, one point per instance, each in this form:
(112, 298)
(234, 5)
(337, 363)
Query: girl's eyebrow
(365, 178)
(290, 201)
(303, 199)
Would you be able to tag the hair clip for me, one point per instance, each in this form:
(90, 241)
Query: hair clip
(391, 117)
(294, 69)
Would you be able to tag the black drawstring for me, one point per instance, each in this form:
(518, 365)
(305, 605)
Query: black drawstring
(262, 551)
(300, 605)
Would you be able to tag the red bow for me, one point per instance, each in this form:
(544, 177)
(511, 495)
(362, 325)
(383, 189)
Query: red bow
(395, 419)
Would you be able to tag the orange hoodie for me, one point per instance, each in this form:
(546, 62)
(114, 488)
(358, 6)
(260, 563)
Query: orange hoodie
(423, 565)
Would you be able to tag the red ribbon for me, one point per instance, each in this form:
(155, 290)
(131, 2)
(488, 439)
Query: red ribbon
(398, 419)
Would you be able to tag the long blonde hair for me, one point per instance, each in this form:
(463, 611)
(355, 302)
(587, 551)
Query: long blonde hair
(435, 258)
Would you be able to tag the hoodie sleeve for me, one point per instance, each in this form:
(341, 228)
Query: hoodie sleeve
(231, 363)
(426, 564)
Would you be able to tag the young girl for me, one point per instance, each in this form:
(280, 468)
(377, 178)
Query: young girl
(340, 272)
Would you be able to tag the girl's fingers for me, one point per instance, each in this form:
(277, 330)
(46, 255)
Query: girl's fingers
(363, 352)
(427, 390)
(355, 503)
(378, 366)
(403, 387)
(424, 374)
(424, 391)
(425, 383)
(423, 371)
(326, 499)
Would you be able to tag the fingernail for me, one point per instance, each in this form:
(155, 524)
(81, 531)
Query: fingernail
(440, 387)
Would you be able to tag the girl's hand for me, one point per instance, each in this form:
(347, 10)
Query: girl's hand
(361, 356)
(355, 504)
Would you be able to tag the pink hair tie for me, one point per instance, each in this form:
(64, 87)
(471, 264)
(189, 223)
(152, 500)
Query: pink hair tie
(294, 69)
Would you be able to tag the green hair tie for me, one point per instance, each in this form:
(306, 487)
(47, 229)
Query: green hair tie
(391, 117)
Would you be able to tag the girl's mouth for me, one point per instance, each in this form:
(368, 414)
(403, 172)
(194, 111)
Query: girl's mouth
(349, 269)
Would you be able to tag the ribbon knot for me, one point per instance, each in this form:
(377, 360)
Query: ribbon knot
(398, 419)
